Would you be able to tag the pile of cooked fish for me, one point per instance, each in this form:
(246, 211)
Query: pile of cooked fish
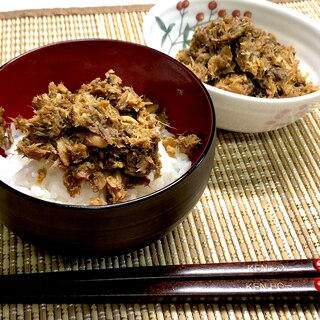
(234, 55)
(105, 134)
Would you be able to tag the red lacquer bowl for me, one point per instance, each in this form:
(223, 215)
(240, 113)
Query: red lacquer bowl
(133, 224)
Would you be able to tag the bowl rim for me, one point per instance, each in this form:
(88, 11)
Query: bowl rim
(274, 101)
(211, 139)
(162, 7)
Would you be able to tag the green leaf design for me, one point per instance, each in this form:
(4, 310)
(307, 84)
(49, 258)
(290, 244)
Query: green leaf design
(164, 37)
(186, 32)
(170, 27)
(161, 24)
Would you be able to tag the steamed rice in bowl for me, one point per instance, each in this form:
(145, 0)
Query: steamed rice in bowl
(45, 177)
(21, 173)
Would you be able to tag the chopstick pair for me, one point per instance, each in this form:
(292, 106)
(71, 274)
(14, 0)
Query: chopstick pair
(240, 281)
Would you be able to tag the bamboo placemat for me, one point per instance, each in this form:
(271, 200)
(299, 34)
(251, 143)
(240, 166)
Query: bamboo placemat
(261, 203)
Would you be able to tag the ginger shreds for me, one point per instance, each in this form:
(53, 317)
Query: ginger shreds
(234, 55)
(104, 134)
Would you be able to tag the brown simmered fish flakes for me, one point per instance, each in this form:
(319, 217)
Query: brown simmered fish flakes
(234, 55)
(104, 134)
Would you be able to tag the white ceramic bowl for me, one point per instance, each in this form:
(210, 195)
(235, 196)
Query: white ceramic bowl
(165, 30)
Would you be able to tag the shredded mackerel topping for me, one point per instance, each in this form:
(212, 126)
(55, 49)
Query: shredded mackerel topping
(104, 133)
(234, 55)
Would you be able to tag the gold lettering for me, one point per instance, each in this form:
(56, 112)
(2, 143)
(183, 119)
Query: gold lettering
(263, 285)
(249, 285)
(259, 268)
(251, 268)
(274, 286)
(279, 267)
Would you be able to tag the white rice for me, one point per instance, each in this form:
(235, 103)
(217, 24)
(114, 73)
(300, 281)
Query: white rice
(21, 173)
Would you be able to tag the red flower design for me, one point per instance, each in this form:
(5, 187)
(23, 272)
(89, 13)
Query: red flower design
(179, 6)
(222, 13)
(248, 14)
(200, 16)
(212, 5)
(236, 13)
(185, 4)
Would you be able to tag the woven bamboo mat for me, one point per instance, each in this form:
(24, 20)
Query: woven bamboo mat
(261, 203)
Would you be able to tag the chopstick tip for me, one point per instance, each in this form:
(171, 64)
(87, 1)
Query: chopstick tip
(316, 264)
(317, 284)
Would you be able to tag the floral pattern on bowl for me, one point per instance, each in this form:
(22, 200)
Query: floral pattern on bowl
(287, 116)
(180, 33)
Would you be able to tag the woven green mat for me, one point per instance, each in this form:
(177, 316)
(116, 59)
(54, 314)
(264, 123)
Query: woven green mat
(261, 203)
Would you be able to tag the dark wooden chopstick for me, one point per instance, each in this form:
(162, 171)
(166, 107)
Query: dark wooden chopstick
(135, 291)
(258, 281)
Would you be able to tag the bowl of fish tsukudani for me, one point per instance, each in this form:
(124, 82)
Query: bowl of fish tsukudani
(258, 60)
(106, 145)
